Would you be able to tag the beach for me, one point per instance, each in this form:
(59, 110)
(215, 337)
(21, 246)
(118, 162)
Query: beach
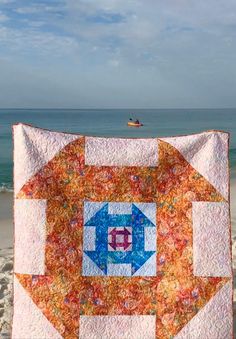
(6, 255)
(6, 262)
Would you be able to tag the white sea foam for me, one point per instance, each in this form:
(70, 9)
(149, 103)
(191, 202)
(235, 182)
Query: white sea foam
(5, 188)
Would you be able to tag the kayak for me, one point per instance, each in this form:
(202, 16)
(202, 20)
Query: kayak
(133, 124)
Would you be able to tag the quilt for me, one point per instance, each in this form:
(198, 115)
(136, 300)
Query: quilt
(121, 238)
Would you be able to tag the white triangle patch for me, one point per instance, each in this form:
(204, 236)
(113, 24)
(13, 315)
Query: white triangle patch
(208, 154)
(34, 148)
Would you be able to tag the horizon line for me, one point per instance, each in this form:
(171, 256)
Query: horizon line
(114, 108)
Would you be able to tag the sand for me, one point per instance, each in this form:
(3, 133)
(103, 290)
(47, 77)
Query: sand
(6, 256)
(6, 262)
(6, 266)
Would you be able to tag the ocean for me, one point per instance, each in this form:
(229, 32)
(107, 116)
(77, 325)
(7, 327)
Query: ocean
(113, 122)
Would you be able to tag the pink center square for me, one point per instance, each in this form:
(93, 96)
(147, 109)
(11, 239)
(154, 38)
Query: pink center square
(119, 238)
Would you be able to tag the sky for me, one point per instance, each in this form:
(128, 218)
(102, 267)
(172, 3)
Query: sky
(118, 53)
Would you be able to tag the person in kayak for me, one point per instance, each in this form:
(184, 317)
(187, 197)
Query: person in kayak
(136, 122)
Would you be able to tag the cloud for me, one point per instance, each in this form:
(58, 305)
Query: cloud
(178, 49)
(30, 42)
(28, 10)
(4, 2)
(32, 23)
(105, 18)
(37, 8)
(3, 17)
(114, 63)
(133, 27)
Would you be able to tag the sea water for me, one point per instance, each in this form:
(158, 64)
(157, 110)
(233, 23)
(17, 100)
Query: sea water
(113, 122)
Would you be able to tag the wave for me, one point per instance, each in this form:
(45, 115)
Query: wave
(5, 188)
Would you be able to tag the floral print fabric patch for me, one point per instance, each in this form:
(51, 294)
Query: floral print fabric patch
(113, 237)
